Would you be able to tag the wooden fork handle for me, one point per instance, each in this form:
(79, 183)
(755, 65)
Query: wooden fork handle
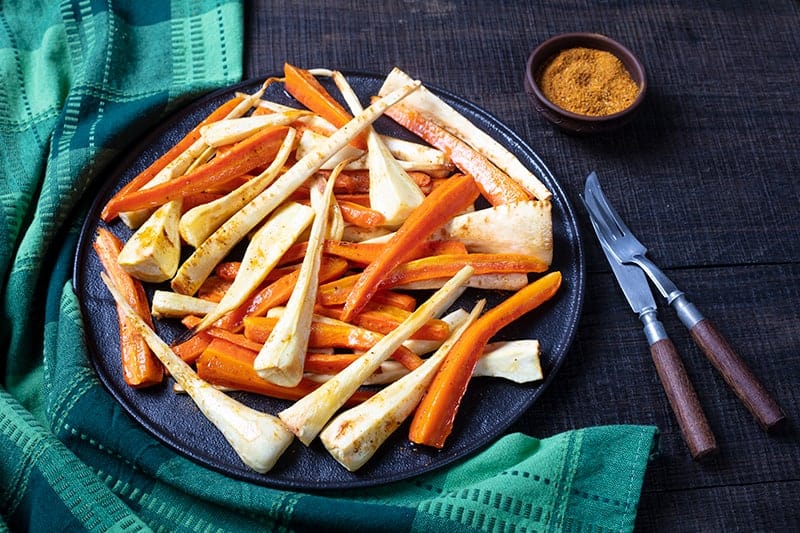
(736, 374)
(683, 399)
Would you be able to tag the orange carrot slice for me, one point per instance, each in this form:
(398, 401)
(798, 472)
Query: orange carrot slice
(158, 165)
(433, 420)
(328, 335)
(495, 185)
(140, 367)
(441, 205)
(307, 90)
(226, 364)
(243, 157)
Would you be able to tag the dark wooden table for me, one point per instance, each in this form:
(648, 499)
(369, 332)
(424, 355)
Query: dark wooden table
(707, 176)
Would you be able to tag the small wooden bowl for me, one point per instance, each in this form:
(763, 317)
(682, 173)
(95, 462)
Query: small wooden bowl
(574, 122)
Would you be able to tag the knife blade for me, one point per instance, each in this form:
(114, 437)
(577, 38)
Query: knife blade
(679, 390)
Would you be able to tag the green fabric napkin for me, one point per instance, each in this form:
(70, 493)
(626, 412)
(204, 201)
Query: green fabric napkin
(81, 81)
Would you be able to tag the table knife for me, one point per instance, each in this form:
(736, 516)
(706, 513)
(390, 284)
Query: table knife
(627, 249)
(679, 390)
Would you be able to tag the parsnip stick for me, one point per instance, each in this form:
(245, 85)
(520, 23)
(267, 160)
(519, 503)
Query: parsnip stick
(200, 264)
(280, 360)
(355, 435)
(263, 252)
(431, 105)
(258, 438)
(391, 191)
(306, 417)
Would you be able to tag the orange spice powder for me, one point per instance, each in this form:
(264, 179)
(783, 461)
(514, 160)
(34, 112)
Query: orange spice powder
(587, 81)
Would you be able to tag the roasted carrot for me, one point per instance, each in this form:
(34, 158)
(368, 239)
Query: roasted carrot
(360, 216)
(190, 349)
(140, 367)
(307, 90)
(383, 318)
(495, 185)
(433, 420)
(225, 364)
(245, 156)
(431, 267)
(147, 174)
(441, 205)
(328, 335)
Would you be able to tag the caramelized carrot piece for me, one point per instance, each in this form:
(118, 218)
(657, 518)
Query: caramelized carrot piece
(433, 420)
(327, 335)
(385, 318)
(140, 367)
(158, 165)
(432, 267)
(190, 349)
(495, 185)
(277, 293)
(328, 363)
(227, 365)
(243, 157)
(361, 216)
(307, 90)
(441, 205)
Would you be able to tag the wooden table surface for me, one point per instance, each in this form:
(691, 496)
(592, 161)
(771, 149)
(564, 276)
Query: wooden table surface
(707, 176)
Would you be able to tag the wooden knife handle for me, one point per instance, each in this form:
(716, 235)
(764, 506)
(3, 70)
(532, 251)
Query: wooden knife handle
(736, 374)
(683, 399)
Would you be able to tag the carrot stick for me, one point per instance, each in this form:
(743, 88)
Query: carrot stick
(147, 174)
(495, 185)
(307, 90)
(225, 364)
(432, 267)
(140, 367)
(328, 335)
(190, 349)
(278, 293)
(433, 420)
(243, 157)
(384, 318)
(438, 207)
(361, 216)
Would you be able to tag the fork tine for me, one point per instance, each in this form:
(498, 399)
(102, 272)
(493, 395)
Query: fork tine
(593, 187)
(599, 213)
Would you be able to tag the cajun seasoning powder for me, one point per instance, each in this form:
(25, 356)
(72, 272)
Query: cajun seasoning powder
(587, 81)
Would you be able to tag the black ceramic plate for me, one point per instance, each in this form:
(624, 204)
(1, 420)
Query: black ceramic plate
(488, 409)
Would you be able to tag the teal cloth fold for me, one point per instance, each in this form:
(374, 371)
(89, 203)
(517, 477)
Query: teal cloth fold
(82, 80)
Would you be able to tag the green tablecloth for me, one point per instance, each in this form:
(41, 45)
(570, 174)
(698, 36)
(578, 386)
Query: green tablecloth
(82, 80)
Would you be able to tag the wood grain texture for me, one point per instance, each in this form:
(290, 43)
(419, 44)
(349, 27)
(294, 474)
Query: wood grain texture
(706, 176)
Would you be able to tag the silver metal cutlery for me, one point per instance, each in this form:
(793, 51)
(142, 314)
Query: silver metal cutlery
(628, 260)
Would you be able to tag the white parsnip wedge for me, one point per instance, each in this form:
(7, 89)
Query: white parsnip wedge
(517, 360)
(307, 416)
(258, 438)
(263, 252)
(201, 221)
(281, 358)
(446, 116)
(231, 130)
(168, 304)
(355, 435)
(517, 228)
(153, 252)
(392, 192)
(310, 141)
(199, 265)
